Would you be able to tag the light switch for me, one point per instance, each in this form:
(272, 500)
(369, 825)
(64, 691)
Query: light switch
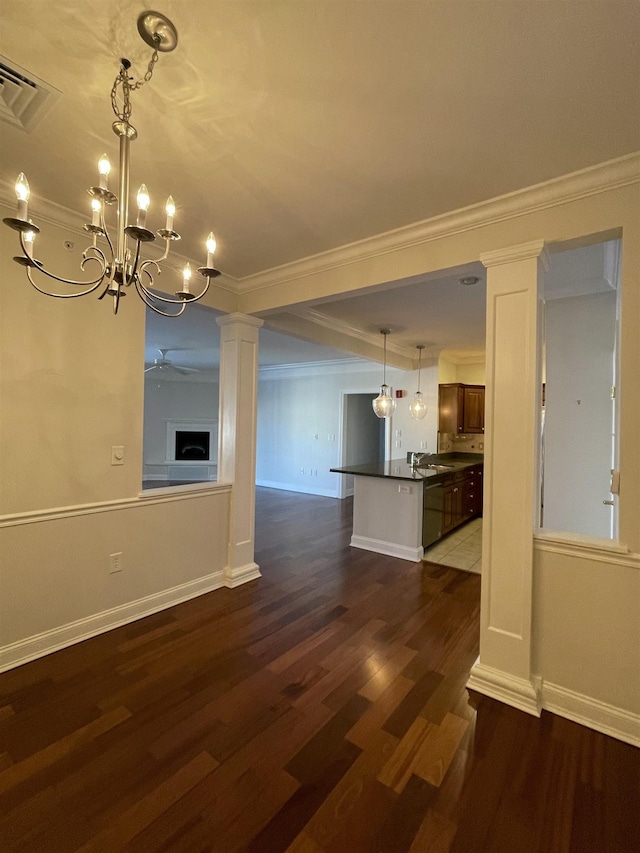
(117, 455)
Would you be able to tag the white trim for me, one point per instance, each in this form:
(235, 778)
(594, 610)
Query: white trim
(512, 254)
(390, 549)
(291, 371)
(297, 487)
(241, 574)
(312, 315)
(593, 180)
(518, 692)
(603, 177)
(586, 548)
(605, 718)
(47, 642)
(146, 498)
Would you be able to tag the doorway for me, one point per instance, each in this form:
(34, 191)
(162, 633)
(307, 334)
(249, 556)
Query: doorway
(363, 435)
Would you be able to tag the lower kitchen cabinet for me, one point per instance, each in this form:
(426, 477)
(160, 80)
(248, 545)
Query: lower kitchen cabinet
(462, 498)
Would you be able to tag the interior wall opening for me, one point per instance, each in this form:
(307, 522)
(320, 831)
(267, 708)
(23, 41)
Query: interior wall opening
(579, 416)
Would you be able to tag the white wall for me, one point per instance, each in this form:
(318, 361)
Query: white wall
(71, 386)
(580, 342)
(296, 405)
(587, 634)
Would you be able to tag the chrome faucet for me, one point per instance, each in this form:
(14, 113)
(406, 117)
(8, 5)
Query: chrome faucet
(417, 458)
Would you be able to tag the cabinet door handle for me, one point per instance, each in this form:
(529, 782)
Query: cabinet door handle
(608, 503)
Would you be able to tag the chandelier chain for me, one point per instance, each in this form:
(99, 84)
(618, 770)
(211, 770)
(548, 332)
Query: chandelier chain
(123, 79)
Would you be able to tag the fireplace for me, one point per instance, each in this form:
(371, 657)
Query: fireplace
(192, 442)
(193, 445)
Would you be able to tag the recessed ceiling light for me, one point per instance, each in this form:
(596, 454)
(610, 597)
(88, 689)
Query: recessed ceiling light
(469, 279)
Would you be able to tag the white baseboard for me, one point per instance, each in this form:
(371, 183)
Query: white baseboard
(298, 487)
(241, 574)
(592, 713)
(391, 549)
(518, 692)
(532, 696)
(42, 644)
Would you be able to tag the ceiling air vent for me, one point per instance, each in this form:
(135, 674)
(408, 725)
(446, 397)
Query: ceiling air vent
(24, 98)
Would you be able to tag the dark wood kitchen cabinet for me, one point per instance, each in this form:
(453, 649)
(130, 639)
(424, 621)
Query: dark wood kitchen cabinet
(461, 498)
(472, 493)
(461, 408)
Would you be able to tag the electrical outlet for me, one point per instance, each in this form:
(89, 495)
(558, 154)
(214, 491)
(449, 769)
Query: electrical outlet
(115, 562)
(398, 443)
(423, 445)
(302, 470)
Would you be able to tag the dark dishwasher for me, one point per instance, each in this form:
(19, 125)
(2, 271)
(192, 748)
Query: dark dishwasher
(433, 513)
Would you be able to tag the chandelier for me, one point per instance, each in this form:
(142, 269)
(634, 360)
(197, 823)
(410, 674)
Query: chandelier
(384, 405)
(418, 407)
(117, 261)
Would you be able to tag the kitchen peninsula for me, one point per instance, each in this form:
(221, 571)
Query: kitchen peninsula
(399, 508)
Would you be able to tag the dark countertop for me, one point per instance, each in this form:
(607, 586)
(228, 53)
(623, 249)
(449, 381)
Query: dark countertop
(400, 469)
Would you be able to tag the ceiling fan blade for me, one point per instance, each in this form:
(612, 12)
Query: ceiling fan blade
(186, 369)
(153, 367)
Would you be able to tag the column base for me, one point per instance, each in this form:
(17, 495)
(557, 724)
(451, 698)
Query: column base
(241, 574)
(520, 693)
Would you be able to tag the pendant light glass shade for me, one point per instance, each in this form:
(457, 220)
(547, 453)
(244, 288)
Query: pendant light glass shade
(418, 407)
(384, 404)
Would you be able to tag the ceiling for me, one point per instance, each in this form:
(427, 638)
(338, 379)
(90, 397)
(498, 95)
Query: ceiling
(294, 128)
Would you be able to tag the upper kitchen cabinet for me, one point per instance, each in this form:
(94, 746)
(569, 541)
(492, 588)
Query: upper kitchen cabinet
(461, 408)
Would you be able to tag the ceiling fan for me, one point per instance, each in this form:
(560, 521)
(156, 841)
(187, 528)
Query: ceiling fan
(166, 365)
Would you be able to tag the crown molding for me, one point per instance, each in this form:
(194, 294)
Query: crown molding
(463, 358)
(337, 365)
(371, 338)
(593, 180)
(603, 177)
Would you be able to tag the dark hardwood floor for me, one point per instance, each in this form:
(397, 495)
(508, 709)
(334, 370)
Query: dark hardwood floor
(321, 708)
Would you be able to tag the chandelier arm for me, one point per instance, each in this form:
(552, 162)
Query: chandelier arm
(146, 297)
(155, 296)
(95, 285)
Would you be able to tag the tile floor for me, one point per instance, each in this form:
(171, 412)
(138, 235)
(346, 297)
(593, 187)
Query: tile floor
(461, 549)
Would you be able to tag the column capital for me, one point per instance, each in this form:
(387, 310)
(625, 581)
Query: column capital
(237, 317)
(512, 254)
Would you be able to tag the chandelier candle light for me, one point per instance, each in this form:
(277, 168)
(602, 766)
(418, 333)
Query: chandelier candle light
(384, 405)
(120, 266)
(418, 407)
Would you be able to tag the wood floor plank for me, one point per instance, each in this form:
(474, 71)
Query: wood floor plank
(328, 820)
(437, 750)
(150, 807)
(17, 773)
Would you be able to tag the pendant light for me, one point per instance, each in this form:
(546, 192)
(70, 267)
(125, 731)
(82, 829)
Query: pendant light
(384, 404)
(418, 407)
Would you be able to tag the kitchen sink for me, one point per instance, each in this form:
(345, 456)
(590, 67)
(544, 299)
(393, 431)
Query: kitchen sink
(436, 467)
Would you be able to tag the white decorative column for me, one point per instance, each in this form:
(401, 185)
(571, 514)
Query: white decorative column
(237, 438)
(511, 487)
